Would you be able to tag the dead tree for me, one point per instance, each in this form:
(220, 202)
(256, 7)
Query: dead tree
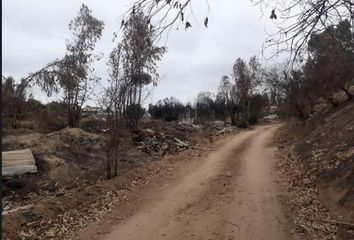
(114, 103)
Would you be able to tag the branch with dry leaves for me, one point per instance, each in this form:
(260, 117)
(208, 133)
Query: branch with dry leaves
(295, 20)
(166, 13)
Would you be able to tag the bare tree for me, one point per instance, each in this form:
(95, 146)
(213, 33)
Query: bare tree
(114, 104)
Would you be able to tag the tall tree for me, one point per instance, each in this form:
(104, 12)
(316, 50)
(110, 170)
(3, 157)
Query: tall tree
(140, 56)
(74, 71)
(132, 65)
(247, 78)
(227, 95)
(329, 67)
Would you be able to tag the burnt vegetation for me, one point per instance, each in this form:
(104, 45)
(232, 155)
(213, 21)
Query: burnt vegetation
(295, 88)
(123, 132)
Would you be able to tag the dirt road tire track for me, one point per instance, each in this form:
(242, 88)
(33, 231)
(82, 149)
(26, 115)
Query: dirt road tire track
(231, 195)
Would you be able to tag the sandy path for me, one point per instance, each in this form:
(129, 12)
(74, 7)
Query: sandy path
(231, 195)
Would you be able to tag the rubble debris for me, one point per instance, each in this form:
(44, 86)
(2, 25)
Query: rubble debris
(180, 143)
(187, 127)
(154, 143)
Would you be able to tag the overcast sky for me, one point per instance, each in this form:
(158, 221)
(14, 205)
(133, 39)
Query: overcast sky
(34, 33)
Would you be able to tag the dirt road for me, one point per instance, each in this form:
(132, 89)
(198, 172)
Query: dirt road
(229, 195)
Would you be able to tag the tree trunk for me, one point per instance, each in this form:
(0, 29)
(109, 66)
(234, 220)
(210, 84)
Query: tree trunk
(115, 161)
(108, 165)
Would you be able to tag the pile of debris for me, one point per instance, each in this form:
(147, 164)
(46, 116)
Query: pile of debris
(152, 143)
(220, 128)
(186, 127)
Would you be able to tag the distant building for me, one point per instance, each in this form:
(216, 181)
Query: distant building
(88, 110)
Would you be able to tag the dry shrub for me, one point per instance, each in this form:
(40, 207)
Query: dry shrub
(92, 124)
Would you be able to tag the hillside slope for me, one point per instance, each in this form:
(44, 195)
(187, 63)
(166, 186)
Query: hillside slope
(319, 156)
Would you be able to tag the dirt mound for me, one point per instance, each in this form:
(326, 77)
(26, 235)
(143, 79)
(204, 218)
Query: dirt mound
(62, 157)
(19, 131)
(49, 143)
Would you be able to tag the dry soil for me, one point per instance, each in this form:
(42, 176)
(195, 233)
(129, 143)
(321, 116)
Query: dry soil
(231, 194)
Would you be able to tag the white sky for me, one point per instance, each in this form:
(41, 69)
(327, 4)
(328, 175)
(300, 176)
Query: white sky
(34, 33)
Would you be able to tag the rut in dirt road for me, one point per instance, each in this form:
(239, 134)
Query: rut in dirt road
(231, 195)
